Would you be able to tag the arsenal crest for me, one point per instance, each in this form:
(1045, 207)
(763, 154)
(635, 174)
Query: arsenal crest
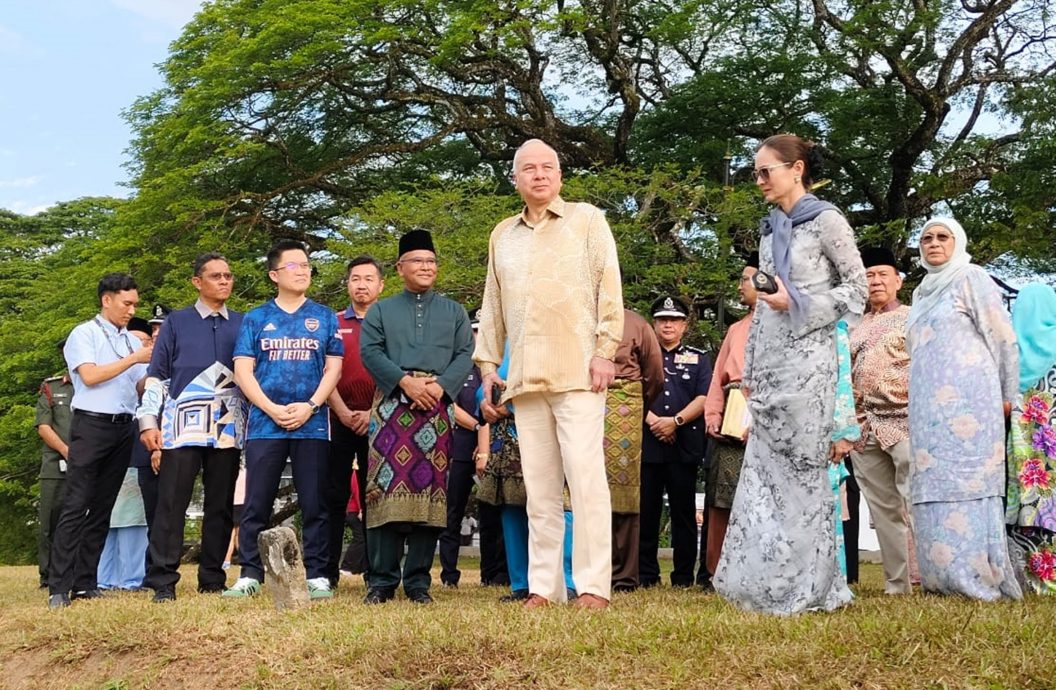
(312, 325)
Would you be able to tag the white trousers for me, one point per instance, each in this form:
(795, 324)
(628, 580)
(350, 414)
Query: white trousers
(560, 436)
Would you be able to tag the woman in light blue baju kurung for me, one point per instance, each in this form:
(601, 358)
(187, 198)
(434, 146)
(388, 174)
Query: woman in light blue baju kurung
(964, 367)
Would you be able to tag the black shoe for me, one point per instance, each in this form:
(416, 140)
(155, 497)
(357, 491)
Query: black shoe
(514, 596)
(163, 595)
(87, 594)
(451, 584)
(420, 596)
(649, 584)
(379, 595)
(209, 589)
(571, 594)
(333, 582)
(58, 601)
(624, 587)
(707, 587)
(43, 584)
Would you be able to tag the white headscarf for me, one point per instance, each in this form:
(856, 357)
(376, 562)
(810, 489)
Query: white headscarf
(930, 290)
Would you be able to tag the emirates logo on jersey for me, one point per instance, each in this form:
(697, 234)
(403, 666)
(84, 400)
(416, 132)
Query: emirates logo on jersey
(312, 325)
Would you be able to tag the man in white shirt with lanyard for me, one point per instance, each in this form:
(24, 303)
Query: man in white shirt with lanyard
(105, 364)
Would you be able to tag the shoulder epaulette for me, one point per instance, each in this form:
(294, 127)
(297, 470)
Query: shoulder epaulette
(45, 389)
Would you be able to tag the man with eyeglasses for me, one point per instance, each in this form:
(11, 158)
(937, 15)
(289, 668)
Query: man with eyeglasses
(417, 346)
(287, 363)
(350, 414)
(193, 419)
(106, 366)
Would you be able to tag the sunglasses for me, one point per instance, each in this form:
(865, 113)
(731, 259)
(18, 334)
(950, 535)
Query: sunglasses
(763, 173)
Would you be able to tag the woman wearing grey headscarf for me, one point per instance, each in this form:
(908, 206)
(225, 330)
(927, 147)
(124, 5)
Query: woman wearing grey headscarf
(780, 553)
(964, 370)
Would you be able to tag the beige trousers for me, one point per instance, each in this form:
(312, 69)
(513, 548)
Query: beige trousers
(560, 436)
(883, 476)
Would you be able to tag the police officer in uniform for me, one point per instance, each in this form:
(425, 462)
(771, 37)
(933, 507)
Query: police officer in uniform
(53, 425)
(673, 447)
(157, 317)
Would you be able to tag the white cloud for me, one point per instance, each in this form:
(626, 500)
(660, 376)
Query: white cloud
(25, 208)
(20, 182)
(175, 13)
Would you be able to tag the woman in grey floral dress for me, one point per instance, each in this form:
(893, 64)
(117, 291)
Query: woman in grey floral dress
(780, 554)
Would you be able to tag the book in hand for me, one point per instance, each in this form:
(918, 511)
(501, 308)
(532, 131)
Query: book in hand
(736, 418)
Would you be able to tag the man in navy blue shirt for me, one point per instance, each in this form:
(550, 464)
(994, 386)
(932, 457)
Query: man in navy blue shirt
(194, 415)
(287, 363)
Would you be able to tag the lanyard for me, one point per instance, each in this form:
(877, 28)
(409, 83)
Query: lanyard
(110, 339)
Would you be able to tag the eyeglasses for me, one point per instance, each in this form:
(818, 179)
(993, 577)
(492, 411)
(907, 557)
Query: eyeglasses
(217, 277)
(420, 262)
(938, 237)
(293, 266)
(764, 172)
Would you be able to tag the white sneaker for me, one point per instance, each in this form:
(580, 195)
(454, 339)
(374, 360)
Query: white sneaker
(319, 588)
(243, 587)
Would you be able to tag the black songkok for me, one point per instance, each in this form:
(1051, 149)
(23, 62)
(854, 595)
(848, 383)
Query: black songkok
(416, 239)
(878, 256)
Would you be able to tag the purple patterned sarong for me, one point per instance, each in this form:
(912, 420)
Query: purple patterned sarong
(408, 462)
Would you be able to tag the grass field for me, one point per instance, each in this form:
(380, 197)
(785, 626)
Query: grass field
(660, 638)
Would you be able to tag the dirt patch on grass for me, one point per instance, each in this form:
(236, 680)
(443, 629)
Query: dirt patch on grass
(38, 669)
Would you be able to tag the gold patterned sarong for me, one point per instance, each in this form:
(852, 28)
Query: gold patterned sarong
(624, 411)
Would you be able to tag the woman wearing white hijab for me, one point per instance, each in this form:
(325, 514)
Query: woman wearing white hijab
(964, 370)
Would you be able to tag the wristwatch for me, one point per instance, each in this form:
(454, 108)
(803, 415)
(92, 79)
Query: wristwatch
(476, 427)
(679, 421)
(313, 406)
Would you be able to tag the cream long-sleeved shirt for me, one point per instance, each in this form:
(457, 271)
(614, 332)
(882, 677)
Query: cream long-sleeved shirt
(553, 290)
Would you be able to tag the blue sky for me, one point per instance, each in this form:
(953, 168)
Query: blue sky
(67, 70)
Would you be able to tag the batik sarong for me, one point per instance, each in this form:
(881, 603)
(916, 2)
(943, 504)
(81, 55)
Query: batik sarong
(408, 462)
(623, 444)
(502, 482)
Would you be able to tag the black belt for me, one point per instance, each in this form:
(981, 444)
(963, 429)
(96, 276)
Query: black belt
(123, 418)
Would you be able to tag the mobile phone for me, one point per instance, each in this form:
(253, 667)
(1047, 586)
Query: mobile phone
(496, 394)
(764, 282)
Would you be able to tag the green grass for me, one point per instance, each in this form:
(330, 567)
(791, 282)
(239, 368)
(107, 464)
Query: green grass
(660, 638)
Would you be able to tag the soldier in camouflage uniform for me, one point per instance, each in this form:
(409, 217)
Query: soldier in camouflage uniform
(53, 425)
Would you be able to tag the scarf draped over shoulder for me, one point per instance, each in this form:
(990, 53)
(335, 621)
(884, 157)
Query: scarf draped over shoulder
(780, 224)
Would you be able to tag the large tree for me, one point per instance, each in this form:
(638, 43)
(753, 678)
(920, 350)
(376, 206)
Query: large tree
(917, 106)
(281, 115)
